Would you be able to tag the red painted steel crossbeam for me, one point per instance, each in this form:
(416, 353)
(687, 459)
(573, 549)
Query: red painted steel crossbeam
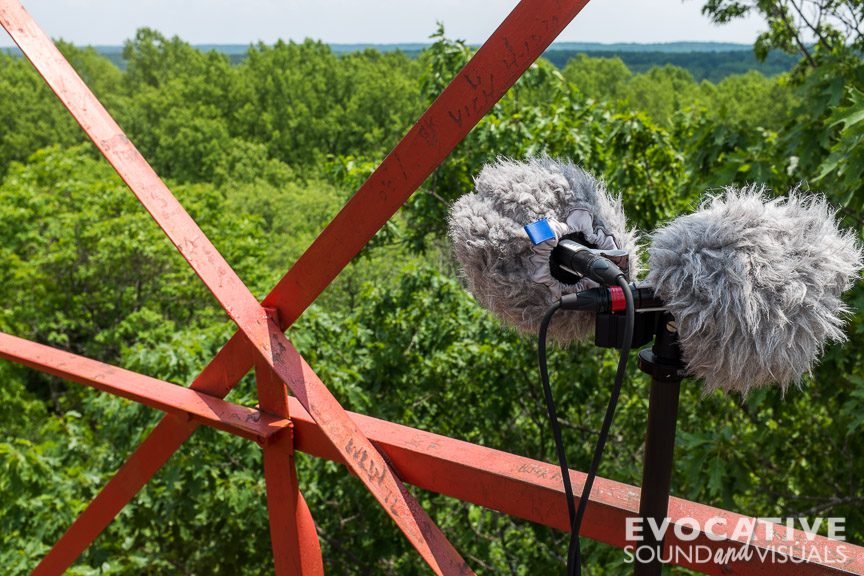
(532, 490)
(515, 485)
(246, 422)
(523, 36)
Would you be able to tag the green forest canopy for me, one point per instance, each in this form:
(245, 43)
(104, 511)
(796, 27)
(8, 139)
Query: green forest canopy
(263, 153)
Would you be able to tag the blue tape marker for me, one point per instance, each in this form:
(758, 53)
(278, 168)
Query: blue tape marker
(539, 231)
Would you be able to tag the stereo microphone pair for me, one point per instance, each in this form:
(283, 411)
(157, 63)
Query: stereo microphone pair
(754, 283)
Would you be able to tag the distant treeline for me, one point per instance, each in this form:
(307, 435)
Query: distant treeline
(712, 66)
(704, 61)
(703, 65)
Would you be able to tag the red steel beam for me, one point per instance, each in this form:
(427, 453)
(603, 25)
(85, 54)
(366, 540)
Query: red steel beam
(532, 490)
(265, 336)
(361, 456)
(293, 537)
(153, 453)
(524, 35)
(296, 548)
(128, 162)
(184, 402)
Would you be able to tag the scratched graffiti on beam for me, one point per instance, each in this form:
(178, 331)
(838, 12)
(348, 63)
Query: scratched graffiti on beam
(482, 84)
(365, 461)
(540, 472)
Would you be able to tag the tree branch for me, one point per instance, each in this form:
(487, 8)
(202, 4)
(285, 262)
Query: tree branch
(781, 14)
(830, 504)
(815, 29)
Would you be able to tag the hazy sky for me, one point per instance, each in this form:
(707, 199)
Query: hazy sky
(373, 21)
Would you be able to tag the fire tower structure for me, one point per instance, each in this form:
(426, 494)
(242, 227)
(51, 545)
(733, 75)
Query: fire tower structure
(296, 410)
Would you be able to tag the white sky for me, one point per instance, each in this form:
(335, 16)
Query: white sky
(365, 21)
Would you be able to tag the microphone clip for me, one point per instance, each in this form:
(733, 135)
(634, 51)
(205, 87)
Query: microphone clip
(607, 302)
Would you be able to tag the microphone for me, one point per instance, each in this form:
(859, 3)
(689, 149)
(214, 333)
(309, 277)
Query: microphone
(754, 286)
(584, 262)
(518, 279)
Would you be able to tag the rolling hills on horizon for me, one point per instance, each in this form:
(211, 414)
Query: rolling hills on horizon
(665, 47)
(704, 60)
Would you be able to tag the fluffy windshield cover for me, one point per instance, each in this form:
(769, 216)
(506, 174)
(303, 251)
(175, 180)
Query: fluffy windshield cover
(502, 269)
(755, 285)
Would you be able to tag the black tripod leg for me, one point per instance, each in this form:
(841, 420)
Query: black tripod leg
(663, 363)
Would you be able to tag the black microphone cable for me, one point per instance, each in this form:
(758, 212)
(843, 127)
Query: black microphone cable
(574, 559)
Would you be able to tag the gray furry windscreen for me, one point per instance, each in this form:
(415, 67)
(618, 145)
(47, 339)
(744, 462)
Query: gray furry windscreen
(504, 271)
(754, 285)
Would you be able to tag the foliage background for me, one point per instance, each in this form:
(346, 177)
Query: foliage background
(262, 153)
